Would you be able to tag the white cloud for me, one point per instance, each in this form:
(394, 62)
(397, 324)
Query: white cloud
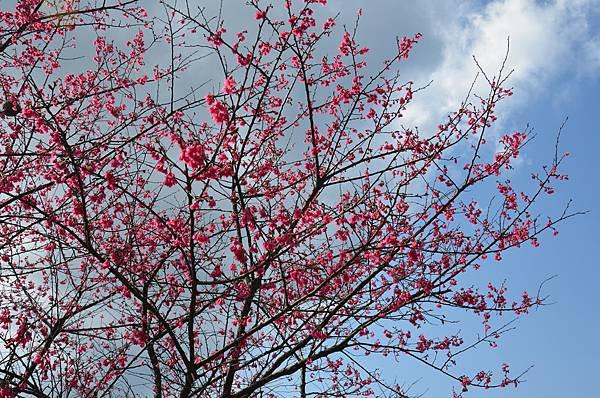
(545, 39)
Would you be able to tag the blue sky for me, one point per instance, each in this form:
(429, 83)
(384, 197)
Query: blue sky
(555, 51)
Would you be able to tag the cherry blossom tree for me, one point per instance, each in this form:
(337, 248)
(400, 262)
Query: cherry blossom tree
(190, 208)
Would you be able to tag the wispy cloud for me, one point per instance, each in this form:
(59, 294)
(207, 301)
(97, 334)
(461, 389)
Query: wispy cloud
(546, 39)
